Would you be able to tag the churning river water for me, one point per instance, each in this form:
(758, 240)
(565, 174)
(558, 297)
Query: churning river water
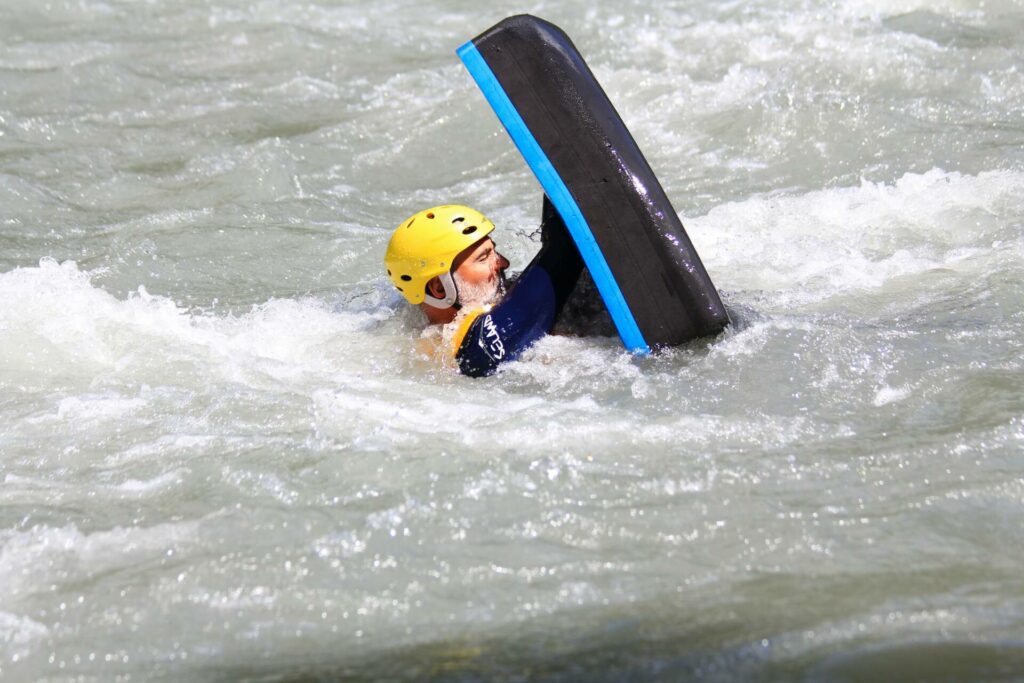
(221, 457)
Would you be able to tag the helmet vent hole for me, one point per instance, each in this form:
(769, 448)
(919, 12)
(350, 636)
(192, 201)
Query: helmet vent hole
(399, 289)
(458, 219)
(406, 278)
(389, 272)
(430, 215)
(469, 231)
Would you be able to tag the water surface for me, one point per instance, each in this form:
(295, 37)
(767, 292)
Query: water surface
(222, 458)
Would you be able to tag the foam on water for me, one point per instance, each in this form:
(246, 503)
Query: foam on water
(143, 398)
(828, 243)
(58, 323)
(37, 557)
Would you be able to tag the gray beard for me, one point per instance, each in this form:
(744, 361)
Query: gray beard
(475, 296)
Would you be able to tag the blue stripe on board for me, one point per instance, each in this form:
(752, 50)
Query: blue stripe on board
(559, 194)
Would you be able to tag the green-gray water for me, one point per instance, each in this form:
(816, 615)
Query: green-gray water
(222, 459)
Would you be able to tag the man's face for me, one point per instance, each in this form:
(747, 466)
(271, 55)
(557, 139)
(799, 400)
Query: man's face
(479, 273)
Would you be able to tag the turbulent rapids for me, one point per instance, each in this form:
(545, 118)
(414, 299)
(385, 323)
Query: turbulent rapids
(222, 458)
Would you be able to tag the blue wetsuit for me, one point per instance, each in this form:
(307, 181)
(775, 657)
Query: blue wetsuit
(530, 309)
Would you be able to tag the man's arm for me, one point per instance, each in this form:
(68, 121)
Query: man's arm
(529, 311)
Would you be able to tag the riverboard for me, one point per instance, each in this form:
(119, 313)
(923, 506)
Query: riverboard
(650, 277)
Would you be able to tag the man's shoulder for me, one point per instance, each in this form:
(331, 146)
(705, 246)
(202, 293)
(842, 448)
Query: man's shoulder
(457, 329)
(444, 340)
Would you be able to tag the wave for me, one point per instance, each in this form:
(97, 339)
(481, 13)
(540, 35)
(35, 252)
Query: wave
(804, 249)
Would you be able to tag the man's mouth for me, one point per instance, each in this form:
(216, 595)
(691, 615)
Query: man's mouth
(501, 288)
(491, 292)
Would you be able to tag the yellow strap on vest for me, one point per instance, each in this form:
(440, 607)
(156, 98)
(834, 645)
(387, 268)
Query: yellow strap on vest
(463, 328)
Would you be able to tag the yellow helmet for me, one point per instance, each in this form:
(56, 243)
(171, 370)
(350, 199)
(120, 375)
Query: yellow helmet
(425, 245)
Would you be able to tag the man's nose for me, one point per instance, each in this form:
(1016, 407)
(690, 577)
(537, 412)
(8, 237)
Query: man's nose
(503, 262)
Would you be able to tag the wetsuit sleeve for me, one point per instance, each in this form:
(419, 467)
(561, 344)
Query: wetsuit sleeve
(529, 310)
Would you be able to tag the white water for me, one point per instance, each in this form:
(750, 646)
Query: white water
(221, 458)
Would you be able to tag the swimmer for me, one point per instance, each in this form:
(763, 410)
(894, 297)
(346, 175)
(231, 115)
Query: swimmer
(444, 260)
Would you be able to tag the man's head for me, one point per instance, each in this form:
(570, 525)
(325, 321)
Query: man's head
(442, 257)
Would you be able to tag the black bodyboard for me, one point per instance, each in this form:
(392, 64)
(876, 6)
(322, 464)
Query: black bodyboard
(601, 183)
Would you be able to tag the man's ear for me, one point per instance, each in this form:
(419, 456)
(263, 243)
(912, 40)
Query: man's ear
(435, 288)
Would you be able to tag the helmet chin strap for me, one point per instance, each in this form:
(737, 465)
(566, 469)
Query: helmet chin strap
(451, 294)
